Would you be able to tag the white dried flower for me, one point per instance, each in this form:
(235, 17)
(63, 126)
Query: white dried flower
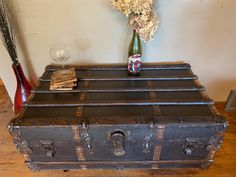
(142, 16)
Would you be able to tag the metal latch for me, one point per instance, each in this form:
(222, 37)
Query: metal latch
(49, 147)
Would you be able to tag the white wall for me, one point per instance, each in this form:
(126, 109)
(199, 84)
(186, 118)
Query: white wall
(201, 32)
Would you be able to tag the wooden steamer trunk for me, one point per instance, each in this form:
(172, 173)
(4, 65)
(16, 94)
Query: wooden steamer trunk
(160, 119)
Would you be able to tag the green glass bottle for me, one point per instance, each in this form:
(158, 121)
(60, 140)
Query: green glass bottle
(135, 54)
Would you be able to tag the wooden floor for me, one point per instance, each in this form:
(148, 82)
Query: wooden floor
(11, 162)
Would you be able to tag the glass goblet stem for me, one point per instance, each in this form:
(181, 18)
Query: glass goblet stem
(62, 65)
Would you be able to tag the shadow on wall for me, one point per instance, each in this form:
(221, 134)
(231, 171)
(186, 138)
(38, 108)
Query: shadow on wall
(83, 50)
(22, 44)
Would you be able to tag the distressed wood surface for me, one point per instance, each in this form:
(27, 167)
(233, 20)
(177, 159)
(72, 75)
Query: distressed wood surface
(120, 96)
(11, 161)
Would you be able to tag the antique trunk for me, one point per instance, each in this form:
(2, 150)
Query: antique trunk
(160, 119)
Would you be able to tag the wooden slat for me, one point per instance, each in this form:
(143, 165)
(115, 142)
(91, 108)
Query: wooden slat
(102, 67)
(165, 74)
(119, 90)
(118, 98)
(126, 86)
(120, 103)
(157, 78)
(116, 115)
(124, 162)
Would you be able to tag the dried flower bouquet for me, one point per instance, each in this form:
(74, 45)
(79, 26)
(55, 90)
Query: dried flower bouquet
(141, 14)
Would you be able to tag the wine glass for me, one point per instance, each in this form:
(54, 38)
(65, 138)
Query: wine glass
(60, 52)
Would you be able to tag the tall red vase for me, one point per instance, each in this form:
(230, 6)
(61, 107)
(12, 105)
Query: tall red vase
(23, 88)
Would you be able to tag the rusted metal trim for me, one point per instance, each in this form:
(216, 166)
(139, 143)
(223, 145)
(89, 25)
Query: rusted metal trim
(149, 83)
(80, 153)
(20, 143)
(220, 136)
(84, 94)
(214, 144)
(204, 95)
(75, 133)
(160, 132)
(157, 110)
(206, 165)
(79, 111)
(125, 162)
(211, 155)
(32, 165)
(30, 98)
(155, 166)
(157, 153)
(156, 156)
(153, 97)
(83, 167)
(157, 149)
(214, 110)
(197, 83)
(26, 156)
(10, 128)
(20, 114)
(86, 84)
